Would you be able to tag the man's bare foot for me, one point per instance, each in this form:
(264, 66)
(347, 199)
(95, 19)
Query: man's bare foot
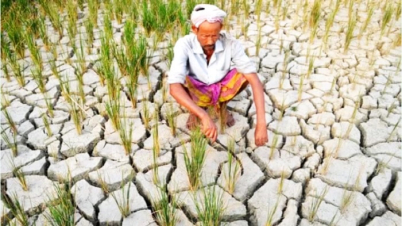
(192, 122)
(230, 121)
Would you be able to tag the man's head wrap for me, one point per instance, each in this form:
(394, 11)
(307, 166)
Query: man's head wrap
(206, 12)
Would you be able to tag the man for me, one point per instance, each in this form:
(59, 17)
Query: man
(200, 74)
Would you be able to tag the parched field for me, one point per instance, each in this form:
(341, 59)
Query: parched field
(91, 136)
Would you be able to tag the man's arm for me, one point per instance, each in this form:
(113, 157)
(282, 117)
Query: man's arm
(261, 135)
(208, 126)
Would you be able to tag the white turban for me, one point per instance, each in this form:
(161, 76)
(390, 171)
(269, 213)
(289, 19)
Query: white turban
(206, 12)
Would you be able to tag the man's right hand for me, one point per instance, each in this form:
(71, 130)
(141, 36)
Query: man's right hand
(209, 127)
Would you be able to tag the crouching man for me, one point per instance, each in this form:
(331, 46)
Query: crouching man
(201, 75)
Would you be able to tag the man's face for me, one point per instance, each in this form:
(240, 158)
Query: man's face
(207, 34)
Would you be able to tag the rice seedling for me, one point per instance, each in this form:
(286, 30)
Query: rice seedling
(72, 17)
(16, 208)
(300, 89)
(10, 122)
(165, 208)
(258, 42)
(21, 177)
(349, 32)
(282, 180)
(75, 113)
(258, 6)
(275, 141)
(271, 213)
(387, 16)
(155, 134)
(391, 108)
(113, 111)
(149, 20)
(285, 66)
(305, 14)
(55, 19)
(47, 126)
(330, 21)
(93, 6)
(128, 36)
(35, 54)
(124, 203)
(398, 10)
(314, 19)
(89, 30)
(368, 19)
(118, 9)
(222, 116)
(315, 204)
(277, 5)
(145, 113)
(63, 209)
(393, 130)
(102, 183)
(233, 170)
(194, 160)
(17, 70)
(171, 119)
(107, 27)
(39, 80)
(12, 144)
(326, 162)
(49, 105)
(211, 208)
(16, 37)
(5, 102)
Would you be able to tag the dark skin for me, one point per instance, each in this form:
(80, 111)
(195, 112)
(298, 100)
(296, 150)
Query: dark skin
(207, 35)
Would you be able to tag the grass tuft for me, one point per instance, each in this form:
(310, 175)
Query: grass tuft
(195, 160)
(210, 209)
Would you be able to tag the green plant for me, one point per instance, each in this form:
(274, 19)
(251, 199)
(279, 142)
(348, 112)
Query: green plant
(63, 209)
(47, 126)
(103, 185)
(145, 113)
(17, 70)
(387, 16)
(273, 145)
(300, 89)
(93, 6)
(271, 213)
(72, 17)
(156, 148)
(39, 80)
(282, 180)
(49, 105)
(124, 202)
(211, 207)
(16, 208)
(11, 144)
(232, 171)
(10, 122)
(314, 19)
(33, 49)
(194, 160)
(89, 28)
(349, 32)
(284, 70)
(165, 209)
(315, 204)
(113, 111)
(368, 19)
(393, 130)
(76, 114)
(171, 119)
(21, 178)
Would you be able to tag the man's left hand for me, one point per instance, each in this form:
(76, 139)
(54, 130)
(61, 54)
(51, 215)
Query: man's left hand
(261, 134)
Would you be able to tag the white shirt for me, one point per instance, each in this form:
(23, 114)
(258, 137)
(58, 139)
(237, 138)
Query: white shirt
(189, 59)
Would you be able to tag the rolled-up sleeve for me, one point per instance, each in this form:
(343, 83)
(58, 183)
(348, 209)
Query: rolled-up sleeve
(179, 67)
(241, 61)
